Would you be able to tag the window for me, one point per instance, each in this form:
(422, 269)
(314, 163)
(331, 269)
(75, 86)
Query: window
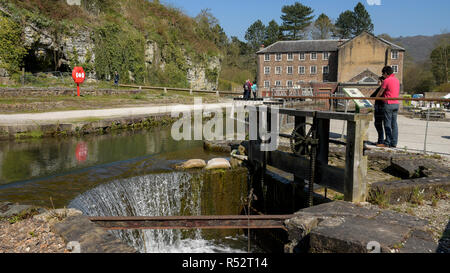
(266, 70)
(289, 84)
(325, 69)
(278, 70)
(301, 70)
(313, 56)
(326, 55)
(278, 57)
(395, 68)
(313, 69)
(394, 54)
(266, 84)
(266, 57)
(301, 56)
(289, 70)
(290, 56)
(278, 83)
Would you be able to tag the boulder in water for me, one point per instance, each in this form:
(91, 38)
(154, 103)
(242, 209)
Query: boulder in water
(218, 163)
(193, 163)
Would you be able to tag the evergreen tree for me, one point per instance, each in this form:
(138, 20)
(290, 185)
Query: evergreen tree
(255, 35)
(344, 25)
(273, 33)
(362, 21)
(352, 23)
(296, 18)
(323, 27)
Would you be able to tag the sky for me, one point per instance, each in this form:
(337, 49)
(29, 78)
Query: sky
(394, 17)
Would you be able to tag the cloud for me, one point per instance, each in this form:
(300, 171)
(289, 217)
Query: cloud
(374, 2)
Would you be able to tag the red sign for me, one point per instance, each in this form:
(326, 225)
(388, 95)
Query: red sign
(78, 74)
(81, 152)
(78, 77)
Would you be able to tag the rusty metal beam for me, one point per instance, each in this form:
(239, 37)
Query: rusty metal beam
(190, 222)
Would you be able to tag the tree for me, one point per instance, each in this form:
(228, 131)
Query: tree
(296, 18)
(12, 50)
(361, 20)
(352, 23)
(440, 58)
(255, 35)
(273, 33)
(344, 25)
(323, 27)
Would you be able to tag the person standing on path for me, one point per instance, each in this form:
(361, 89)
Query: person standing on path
(254, 89)
(116, 78)
(379, 113)
(247, 89)
(390, 88)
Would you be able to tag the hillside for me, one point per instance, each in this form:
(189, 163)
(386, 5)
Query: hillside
(420, 47)
(145, 42)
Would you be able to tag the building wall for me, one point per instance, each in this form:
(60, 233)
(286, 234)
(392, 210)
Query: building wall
(365, 52)
(399, 63)
(295, 77)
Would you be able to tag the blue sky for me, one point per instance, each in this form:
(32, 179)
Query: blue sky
(394, 17)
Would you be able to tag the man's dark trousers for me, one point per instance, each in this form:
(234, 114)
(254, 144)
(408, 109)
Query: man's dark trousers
(390, 124)
(379, 119)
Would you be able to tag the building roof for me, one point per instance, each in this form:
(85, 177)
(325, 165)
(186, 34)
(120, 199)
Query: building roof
(316, 45)
(302, 45)
(390, 44)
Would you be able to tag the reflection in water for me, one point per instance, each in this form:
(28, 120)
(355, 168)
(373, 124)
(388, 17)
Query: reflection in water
(81, 152)
(32, 171)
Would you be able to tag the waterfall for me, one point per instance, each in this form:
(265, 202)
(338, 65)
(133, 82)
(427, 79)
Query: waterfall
(166, 194)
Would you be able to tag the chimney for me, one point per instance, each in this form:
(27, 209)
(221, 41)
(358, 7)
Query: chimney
(261, 47)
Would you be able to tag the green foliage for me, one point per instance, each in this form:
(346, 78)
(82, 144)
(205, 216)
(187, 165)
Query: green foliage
(255, 35)
(119, 50)
(296, 18)
(353, 23)
(362, 21)
(211, 74)
(323, 27)
(344, 25)
(417, 196)
(440, 59)
(273, 33)
(12, 50)
(379, 197)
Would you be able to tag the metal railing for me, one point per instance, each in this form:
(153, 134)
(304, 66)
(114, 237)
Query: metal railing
(424, 129)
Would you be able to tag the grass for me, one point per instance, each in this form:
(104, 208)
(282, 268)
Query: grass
(379, 197)
(22, 215)
(32, 134)
(417, 196)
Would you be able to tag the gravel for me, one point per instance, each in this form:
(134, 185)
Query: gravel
(29, 236)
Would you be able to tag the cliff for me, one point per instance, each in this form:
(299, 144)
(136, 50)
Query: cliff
(146, 42)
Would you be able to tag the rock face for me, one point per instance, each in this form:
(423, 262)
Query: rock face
(197, 74)
(63, 50)
(341, 227)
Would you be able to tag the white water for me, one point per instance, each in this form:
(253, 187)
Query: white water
(151, 195)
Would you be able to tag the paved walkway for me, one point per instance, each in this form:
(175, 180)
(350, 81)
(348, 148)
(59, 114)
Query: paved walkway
(55, 117)
(412, 134)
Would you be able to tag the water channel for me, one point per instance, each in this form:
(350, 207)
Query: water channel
(120, 174)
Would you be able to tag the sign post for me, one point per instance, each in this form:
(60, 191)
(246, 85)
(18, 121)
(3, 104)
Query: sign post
(78, 76)
(361, 105)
